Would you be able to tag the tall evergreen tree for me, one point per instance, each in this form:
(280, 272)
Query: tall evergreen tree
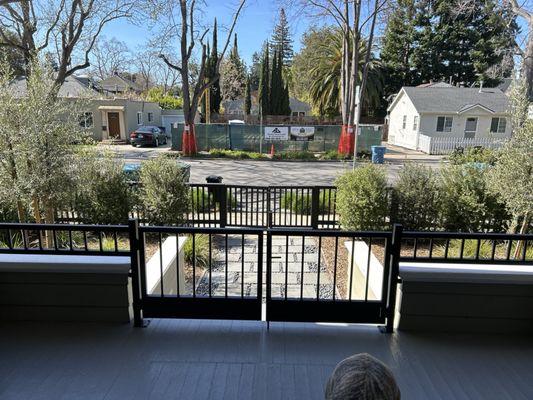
(264, 84)
(275, 93)
(398, 45)
(216, 94)
(281, 40)
(247, 98)
(429, 40)
(233, 75)
(255, 71)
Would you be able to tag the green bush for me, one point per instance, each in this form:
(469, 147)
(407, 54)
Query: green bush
(200, 255)
(103, 195)
(473, 155)
(362, 201)
(302, 203)
(415, 198)
(163, 192)
(236, 154)
(334, 155)
(294, 155)
(466, 203)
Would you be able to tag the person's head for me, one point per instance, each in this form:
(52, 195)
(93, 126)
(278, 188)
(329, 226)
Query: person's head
(362, 377)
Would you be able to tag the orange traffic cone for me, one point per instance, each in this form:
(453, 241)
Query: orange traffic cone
(272, 151)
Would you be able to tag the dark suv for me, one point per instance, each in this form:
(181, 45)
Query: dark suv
(148, 135)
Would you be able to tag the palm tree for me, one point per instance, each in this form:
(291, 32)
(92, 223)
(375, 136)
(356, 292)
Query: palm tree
(325, 90)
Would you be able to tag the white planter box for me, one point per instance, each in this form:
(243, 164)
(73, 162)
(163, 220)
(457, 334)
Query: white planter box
(172, 268)
(360, 262)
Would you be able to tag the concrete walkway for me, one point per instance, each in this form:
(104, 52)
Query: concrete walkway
(287, 265)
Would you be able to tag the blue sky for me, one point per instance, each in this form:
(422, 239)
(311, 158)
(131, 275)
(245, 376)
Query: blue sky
(255, 25)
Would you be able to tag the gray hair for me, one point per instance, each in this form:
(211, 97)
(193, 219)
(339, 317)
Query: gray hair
(362, 377)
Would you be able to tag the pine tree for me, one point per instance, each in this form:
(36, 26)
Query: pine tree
(255, 71)
(396, 53)
(286, 107)
(264, 84)
(233, 75)
(282, 40)
(216, 94)
(247, 98)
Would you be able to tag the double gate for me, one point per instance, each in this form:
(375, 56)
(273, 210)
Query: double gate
(218, 273)
(219, 205)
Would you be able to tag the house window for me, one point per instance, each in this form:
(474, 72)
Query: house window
(415, 123)
(404, 122)
(139, 118)
(498, 125)
(444, 124)
(150, 117)
(86, 119)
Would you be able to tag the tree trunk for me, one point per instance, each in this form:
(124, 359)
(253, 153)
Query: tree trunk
(528, 62)
(521, 243)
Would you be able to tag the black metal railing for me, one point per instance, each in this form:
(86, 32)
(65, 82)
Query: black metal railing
(311, 274)
(331, 276)
(457, 247)
(193, 272)
(64, 239)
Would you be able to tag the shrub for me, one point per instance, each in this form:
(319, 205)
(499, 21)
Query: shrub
(415, 198)
(200, 255)
(236, 154)
(163, 192)
(302, 203)
(473, 155)
(103, 195)
(294, 155)
(362, 198)
(466, 203)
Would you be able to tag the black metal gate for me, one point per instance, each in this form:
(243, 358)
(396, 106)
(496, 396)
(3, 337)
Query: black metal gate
(202, 273)
(263, 206)
(331, 276)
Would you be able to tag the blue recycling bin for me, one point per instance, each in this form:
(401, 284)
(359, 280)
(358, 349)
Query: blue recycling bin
(378, 154)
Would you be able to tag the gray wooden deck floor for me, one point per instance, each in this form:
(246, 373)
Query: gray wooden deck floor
(185, 359)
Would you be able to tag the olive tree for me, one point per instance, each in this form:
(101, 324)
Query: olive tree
(163, 192)
(37, 136)
(512, 176)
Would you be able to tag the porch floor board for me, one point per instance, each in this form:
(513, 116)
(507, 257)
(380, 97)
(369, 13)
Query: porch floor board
(185, 359)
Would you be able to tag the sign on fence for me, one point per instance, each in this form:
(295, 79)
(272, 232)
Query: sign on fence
(276, 133)
(302, 133)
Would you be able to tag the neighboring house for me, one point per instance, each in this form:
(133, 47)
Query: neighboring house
(454, 115)
(106, 117)
(170, 118)
(117, 84)
(299, 108)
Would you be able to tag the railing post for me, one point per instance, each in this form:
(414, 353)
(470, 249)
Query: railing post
(315, 205)
(133, 225)
(394, 269)
(223, 197)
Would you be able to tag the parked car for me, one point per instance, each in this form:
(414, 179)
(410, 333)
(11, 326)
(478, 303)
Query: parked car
(148, 135)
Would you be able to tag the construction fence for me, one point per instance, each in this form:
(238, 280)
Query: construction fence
(316, 138)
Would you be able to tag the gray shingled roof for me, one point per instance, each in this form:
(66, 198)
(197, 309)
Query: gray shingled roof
(73, 87)
(455, 99)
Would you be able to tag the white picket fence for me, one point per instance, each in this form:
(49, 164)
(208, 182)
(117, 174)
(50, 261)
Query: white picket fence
(446, 145)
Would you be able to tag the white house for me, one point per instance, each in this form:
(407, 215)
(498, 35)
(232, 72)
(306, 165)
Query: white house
(438, 118)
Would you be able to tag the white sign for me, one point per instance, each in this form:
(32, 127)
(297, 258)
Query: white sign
(302, 132)
(274, 133)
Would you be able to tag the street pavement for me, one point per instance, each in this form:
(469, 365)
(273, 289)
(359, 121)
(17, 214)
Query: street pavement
(250, 172)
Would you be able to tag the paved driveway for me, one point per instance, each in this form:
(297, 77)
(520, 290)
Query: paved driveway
(249, 172)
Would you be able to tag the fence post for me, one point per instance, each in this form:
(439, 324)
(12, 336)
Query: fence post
(223, 197)
(133, 225)
(394, 269)
(315, 205)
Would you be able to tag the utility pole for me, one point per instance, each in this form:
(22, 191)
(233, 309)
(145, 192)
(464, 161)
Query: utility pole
(356, 124)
